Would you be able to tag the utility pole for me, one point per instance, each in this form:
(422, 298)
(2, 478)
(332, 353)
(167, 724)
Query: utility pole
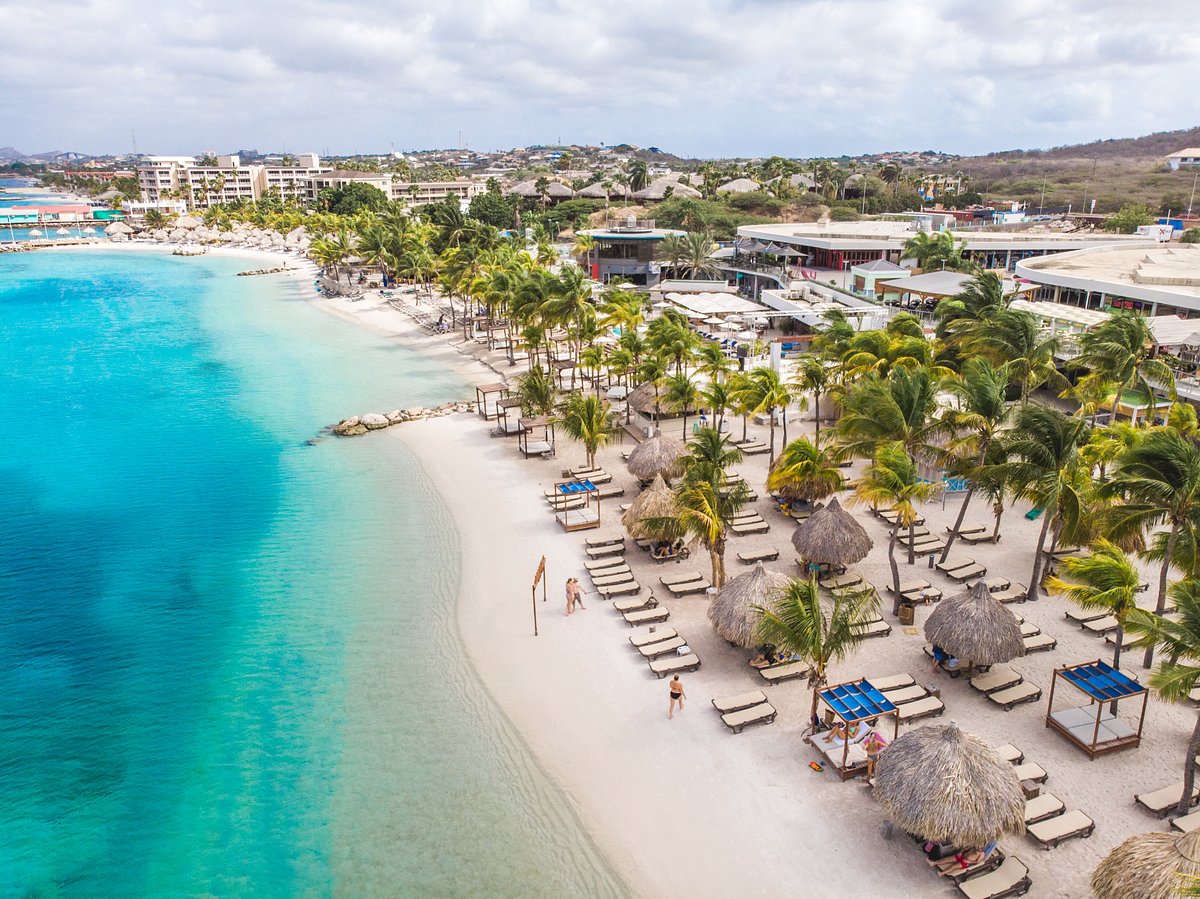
(1192, 199)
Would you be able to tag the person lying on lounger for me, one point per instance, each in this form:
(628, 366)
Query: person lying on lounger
(960, 861)
(943, 660)
(764, 658)
(840, 734)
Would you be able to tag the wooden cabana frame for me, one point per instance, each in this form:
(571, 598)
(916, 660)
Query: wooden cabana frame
(579, 506)
(499, 391)
(530, 446)
(853, 702)
(508, 418)
(1089, 727)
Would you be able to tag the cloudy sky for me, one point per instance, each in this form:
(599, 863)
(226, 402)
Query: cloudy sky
(696, 77)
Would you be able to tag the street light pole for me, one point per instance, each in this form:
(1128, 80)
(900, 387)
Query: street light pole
(1193, 196)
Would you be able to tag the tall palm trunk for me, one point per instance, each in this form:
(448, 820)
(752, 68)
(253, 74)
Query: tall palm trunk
(1161, 605)
(716, 555)
(895, 573)
(1035, 577)
(998, 511)
(1189, 773)
(912, 550)
(771, 458)
(744, 418)
(785, 425)
(962, 512)
(817, 418)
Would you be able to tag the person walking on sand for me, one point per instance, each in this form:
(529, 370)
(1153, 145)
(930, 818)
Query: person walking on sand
(570, 596)
(677, 696)
(578, 590)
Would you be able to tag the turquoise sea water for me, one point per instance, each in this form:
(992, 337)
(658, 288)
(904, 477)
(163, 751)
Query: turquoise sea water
(230, 665)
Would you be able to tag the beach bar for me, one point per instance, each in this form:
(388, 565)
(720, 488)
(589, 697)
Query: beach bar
(852, 703)
(487, 409)
(1093, 727)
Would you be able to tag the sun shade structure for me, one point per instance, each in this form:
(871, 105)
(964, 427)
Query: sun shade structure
(573, 516)
(655, 502)
(1149, 866)
(832, 536)
(658, 455)
(486, 409)
(734, 610)
(1095, 727)
(942, 784)
(975, 627)
(853, 702)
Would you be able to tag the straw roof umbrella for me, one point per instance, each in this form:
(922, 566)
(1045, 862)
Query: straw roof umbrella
(657, 456)
(832, 536)
(1149, 866)
(942, 784)
(976, 627)
(733, 610)
(656, 501)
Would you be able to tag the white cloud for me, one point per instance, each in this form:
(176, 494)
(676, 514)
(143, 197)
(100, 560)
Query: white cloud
(703, 77)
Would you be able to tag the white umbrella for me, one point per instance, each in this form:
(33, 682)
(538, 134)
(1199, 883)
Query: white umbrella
(690, 314)
(713, 320)
(62, 232)
(89, 230)
(730, 326)
(734, 317)
(34, 232)
(747, 335)
(662, 304)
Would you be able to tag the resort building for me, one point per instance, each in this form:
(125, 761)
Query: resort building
(628, 250)
(1186, 157)
(419, 193)
(160, 177)
(226, 182)
(290, 182)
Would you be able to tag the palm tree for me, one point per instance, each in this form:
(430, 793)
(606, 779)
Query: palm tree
(1179, 672)
(670, 335)
(584, 245)
(1105, 581)
(694, 260)
(1042, 468)
(1014, 337)
(681, 394)
(1157, 481)
(653, 370)
(710, 454)
(982, 413)
(713, 363)
(704, 512)
(892, 480)
(980, 298)
(801, 623)
(1120, 350)
(535, 390)
(739, 397)
(803, 472)
(765, 392)
(813, 376)
(638, 174)
(587, 419)
(900, 409)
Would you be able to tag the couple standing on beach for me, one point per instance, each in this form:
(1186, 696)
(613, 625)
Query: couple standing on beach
(574, 595)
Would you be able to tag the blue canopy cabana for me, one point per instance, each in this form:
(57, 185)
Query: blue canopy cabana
(854, 702)
(1095, 727)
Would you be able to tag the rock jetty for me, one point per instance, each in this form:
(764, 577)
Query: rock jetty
(267, 271)
(377, 421)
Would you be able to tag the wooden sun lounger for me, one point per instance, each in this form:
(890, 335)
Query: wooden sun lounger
(924, 594)
(890, 517)
(625, 589)
(635, 603)
(1010, 753)
(966, 529)
(689, 588)
(994, 584)
(955, 565)
(763, 713)
(680, 578)
(1035, 772)
(976, 539)
(841, 581)
(1051, 832)
(654, 650)
(965, 574)
(673, 664)
(1029, 629)
(925, 549)
(1012, 593)
(618, 576)
(565, 503)
(921, 708)
(916, 534)
(878, 628)
(746, 514)
(1015, 695)
(1102, 625)
(609, 491)
(775, 674)
(1186, 823)
(1010, 879)
(1001, 677)
(766, 555)
(612, 549)
(891, 682)
(1041, 807)
(901, 695)
(757, 527)
(910, 587)
(755, 449)
(919, 540)
(1163, 801)
(726, 704)
(1083, 616)
(646, 616)
(606, 562)
(655, 636)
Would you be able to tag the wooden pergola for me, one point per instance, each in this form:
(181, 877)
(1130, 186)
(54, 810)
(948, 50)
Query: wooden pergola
(1091, 727)
(499, 391)
(508, 425)
(577, 505)
(854, 702)
(526, 442)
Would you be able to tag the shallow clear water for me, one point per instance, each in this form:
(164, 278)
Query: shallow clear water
(230, 665)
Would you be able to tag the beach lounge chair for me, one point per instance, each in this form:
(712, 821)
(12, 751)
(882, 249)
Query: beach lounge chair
(774, 674)
(1029, 629)
(618, 576)
(654, 636)
(877, 628)
(910, 587)
(765, 555)
(654, 650)
(1102, 625)
(726, 704)
(565, 503)
(918, 538)
(606, 562)
(1083, 616)
(954, 565)
(921, 708)
(646, 616)
(625, 507)
(754, 449)
(1015, 695)
(966, 529)
(1163, 801)
(890, 517)
(891, 682)
(1186, 823)
(841, 581)
(1010, 879)
(1000, 677)
(933, 545)
(916, 534)
(680, 578)
(1059, 829)
(901, 695)
(994, 584)
(761, 526)
(977, 538)
(966, 574)
(605, 540)
(1041, 807)
(763, 713)
(674, 664)
(1033, 771)
(625, 589)
(1010, 753)
(611, 549)
(634, 603)
(689, 588)
(609, 491)
(924, 594)
(1012, 593)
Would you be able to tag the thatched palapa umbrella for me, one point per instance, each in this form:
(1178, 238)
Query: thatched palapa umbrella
(832, 536)
(733, 610)
(658, 455)
(1149, 866)
(941, 784)
(655, 502)
(975, 627)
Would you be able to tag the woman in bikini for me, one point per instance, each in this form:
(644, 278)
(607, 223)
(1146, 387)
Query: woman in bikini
(677, 696)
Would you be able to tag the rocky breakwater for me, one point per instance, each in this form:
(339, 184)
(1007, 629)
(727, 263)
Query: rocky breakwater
(377, 421)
